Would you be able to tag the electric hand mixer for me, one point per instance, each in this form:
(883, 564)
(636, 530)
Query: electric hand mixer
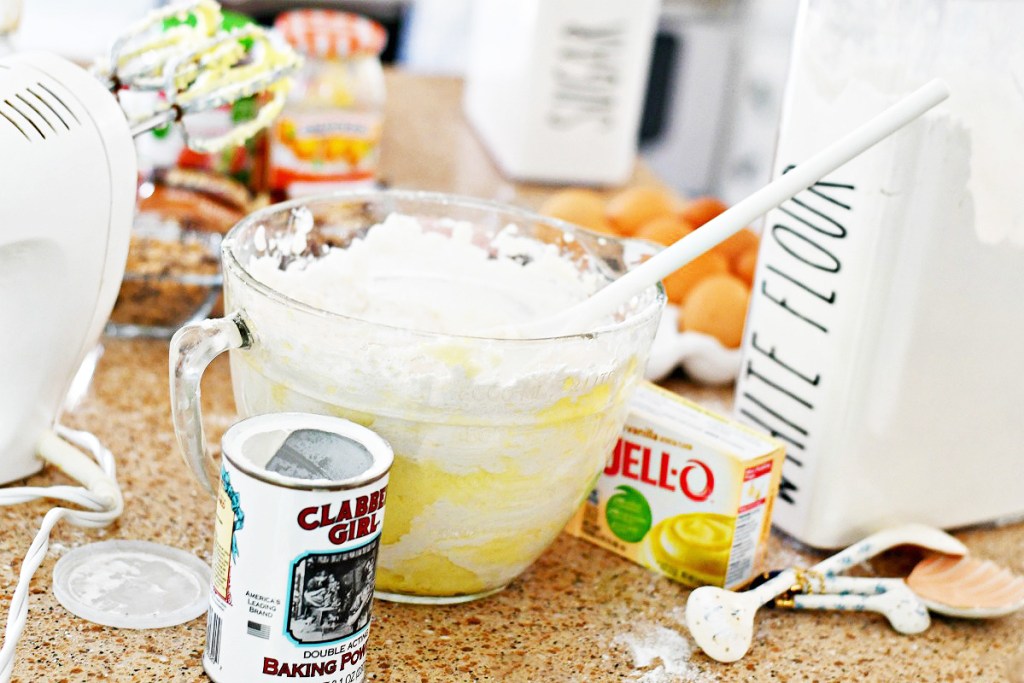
(67, 198)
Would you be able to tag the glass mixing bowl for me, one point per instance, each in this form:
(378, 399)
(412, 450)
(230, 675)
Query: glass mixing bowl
(497, 441)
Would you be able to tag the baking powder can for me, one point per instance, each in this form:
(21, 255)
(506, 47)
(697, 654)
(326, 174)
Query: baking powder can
(300, 509)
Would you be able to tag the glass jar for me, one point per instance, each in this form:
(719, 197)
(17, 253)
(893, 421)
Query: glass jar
(491, 459)
(328, 135)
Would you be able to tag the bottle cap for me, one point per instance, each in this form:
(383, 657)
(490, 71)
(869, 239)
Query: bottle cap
(132, 584)
(331, 34)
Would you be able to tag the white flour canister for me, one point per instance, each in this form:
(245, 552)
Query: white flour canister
(883, 341)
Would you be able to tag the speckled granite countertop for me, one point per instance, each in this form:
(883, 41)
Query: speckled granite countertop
(579, 614)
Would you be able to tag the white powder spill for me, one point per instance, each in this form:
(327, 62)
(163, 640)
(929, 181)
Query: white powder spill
(666, 650)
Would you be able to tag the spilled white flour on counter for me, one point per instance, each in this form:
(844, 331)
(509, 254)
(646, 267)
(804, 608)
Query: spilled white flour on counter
(651, 644)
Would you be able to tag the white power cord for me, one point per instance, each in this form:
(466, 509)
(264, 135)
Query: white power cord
(99, 495)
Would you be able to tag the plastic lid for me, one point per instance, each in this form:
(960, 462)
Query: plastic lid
(132, 584)
(331, 34)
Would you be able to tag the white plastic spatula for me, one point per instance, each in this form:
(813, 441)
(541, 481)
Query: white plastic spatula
(584, 315)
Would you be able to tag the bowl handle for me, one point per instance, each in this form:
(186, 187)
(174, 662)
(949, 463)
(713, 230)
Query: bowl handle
(192, 348)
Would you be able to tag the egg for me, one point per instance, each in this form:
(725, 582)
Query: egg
(717, 306)
(735, 245)
(679, 284)
(664, 230)
(744, 265)
(699, 211)
(579, 207)
(630, 209)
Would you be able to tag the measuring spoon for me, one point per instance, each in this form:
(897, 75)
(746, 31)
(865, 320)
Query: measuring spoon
(722, 622)
(890, 597)
(966, 587)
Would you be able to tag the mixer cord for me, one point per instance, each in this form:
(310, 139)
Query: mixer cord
(99, 495)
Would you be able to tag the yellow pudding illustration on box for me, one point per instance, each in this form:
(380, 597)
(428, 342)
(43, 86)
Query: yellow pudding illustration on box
(692, 548)
(685, 492)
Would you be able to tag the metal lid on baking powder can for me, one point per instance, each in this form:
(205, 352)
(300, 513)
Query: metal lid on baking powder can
(299, 514)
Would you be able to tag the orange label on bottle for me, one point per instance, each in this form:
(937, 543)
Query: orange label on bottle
(324, 147)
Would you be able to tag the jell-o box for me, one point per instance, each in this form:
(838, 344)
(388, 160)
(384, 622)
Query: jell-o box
(685, 492)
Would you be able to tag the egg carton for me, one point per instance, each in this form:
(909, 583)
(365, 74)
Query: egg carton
(702, 357)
